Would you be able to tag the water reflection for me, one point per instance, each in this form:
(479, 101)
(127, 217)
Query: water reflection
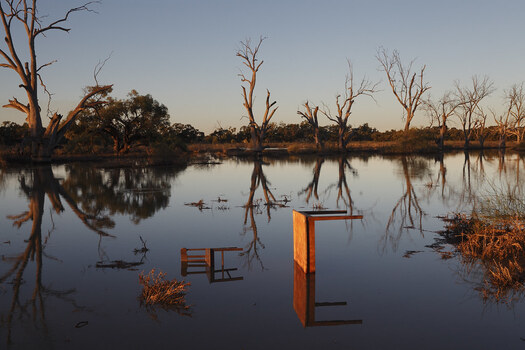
(313, 186)
(343, 192)
(102, 201)
(202, 261)
(304, 302)
(304, 266)
(36, 185)
(94, 196)
(254, 206)
(407, 212)
(138, 192)
(341, 185)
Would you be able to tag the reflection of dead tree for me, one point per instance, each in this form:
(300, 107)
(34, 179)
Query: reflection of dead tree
(43, 183)
(251, 250)
(314, 184)
(443, 176)
(407, 208)
(105, 263)
(253, 207)
(440, 182)
(502, 168)
(343, 192)
(480, 164)
(258, 179)
(466, 172)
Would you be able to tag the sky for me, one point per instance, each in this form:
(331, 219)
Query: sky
(182, 52)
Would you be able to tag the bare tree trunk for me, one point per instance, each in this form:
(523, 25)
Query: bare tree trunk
(352, 92)
(442, 132)
(311, 117)
(248, 54)
(255, 139)
(25, 14)
(410, 116)
(408, 87)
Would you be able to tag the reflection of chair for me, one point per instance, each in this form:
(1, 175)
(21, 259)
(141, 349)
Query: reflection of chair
(304, 300)
(205, 258)
(304, 266)
(304, 234)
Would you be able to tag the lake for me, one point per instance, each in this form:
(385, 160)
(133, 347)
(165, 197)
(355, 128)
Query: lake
(72, 244)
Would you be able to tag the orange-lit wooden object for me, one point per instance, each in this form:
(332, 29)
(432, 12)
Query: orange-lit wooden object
(304, 266)
(304, 234)
(205, 258)
(304, 302)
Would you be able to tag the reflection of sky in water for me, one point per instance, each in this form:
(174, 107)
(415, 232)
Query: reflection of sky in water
(403, 302)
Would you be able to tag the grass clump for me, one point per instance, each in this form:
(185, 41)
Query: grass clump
(157, 291)
(494, 244)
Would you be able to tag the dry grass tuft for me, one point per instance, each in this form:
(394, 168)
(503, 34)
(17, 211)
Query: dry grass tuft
(157, 291)
(497, 246)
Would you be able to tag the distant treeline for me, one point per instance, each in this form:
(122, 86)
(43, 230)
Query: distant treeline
(85, 137)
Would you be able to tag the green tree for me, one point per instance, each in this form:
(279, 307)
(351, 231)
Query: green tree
(186, 133)
(137, 120)
(11, 133)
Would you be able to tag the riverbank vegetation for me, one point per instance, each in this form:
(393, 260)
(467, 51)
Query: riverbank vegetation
(156, 139)
(491, 241)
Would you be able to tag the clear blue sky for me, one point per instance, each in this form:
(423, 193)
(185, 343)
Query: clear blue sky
(182, 52)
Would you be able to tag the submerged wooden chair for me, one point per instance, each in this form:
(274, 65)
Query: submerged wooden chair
(205, 260)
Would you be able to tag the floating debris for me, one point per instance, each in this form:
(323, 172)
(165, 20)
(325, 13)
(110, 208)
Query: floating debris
(200, 204)
(409, 253)
(118, 264)
(81, 324)
(142, 250)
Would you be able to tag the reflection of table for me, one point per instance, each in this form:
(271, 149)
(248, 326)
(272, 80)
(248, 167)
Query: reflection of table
(304, 234)
(205, 259)
(304, 302)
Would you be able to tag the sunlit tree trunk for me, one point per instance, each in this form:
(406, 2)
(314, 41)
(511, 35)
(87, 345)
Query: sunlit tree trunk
(248, 55)
(25, 13)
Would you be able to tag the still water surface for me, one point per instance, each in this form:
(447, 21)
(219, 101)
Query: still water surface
(71, 234)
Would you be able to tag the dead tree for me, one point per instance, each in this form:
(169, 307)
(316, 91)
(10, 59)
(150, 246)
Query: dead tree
(344, 108)
(25, 14)
(440, 111)
(407, 86)
(502, 123)
(480, 127)
(470, 98)
(310, 115)
(515, 98)
(248, 54)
